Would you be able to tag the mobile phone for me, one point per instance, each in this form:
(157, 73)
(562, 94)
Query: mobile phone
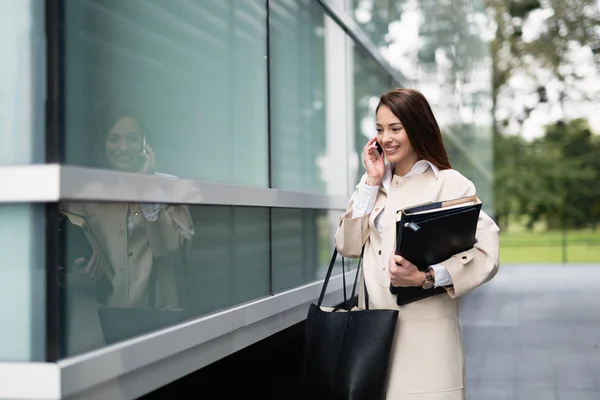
(144, 145)
(379, 149)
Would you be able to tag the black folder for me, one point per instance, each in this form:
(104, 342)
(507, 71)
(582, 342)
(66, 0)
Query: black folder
(431, 233)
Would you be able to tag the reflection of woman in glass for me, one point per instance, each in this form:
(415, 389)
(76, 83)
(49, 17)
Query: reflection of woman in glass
(427, 360)
(125, 143)
(142, 242)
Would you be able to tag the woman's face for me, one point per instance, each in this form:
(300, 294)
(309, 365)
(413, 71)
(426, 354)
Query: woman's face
(124, 145)
(393, 138)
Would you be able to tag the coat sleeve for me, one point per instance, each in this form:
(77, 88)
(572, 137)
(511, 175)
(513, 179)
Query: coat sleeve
(352, 233)
(171, 231)
(474, 267)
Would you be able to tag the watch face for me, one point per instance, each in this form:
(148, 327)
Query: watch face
(428, 284)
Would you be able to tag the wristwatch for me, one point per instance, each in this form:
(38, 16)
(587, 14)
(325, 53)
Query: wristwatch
(429, 282)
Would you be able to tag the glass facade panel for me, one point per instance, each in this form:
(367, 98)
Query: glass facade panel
(446, 55)
(370, 82)
(302, 247)
(455, 73)
(298, 112)
(22, 282)
(22, 82)
(374, 16)
(127, 269)
(22, 241)
(187, 78)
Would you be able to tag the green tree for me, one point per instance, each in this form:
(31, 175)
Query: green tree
(511, 194)
(579, 152)
(568, 24)
(557, 175)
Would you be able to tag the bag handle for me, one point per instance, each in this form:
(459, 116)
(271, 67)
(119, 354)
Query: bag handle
(328, 276)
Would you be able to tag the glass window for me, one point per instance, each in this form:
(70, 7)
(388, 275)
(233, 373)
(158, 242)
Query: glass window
(439, 48)
(22, 231)
(447, 57)
(22, 283)
(298, 112)
(370, 82)
(22, 82)
(374, 16)
(127, 269)
(176, 86)
(302, 246)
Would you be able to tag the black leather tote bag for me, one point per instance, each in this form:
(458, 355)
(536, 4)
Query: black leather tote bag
(346, 350)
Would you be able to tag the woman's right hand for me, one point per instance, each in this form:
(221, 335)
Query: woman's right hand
(86, 273)
(374, 163)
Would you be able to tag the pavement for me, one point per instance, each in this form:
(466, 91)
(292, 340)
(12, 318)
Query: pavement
(533, 332)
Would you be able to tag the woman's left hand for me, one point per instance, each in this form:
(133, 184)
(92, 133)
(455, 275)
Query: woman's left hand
(403, 273)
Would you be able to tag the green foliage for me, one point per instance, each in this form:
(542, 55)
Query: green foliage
(552, 179)
(568, 24)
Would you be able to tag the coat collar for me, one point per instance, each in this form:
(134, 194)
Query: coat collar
(419, 168)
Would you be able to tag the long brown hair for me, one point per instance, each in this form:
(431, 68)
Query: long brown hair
(415, 114)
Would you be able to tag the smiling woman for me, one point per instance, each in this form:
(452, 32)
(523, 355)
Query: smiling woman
(122, 142)
(407, 116)
(417, 171)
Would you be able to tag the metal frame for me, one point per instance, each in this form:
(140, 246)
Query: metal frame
(129, 369)
(53, 183)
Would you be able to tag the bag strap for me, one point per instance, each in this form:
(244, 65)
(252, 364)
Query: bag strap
(344, 283)
(358, 268)
(366, 294)
(328, 276)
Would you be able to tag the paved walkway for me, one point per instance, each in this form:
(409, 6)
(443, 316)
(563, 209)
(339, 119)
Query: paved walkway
(533, 332)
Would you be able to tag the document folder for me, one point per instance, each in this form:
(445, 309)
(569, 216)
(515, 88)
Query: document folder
(82, 240)
(431, 233)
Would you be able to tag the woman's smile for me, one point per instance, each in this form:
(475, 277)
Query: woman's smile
(391, 149)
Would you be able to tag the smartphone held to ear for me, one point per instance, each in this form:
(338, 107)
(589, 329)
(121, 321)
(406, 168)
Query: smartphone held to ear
(379, 149)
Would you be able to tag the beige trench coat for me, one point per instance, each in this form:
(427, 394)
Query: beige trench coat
(427, 360)
(134, 258)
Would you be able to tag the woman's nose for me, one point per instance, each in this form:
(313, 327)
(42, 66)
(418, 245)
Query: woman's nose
(387, 137)
(122, 145)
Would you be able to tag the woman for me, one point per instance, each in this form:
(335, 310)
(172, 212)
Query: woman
(142, 243)
(427, 360)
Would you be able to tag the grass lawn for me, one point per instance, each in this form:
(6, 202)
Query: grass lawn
(533, 247)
